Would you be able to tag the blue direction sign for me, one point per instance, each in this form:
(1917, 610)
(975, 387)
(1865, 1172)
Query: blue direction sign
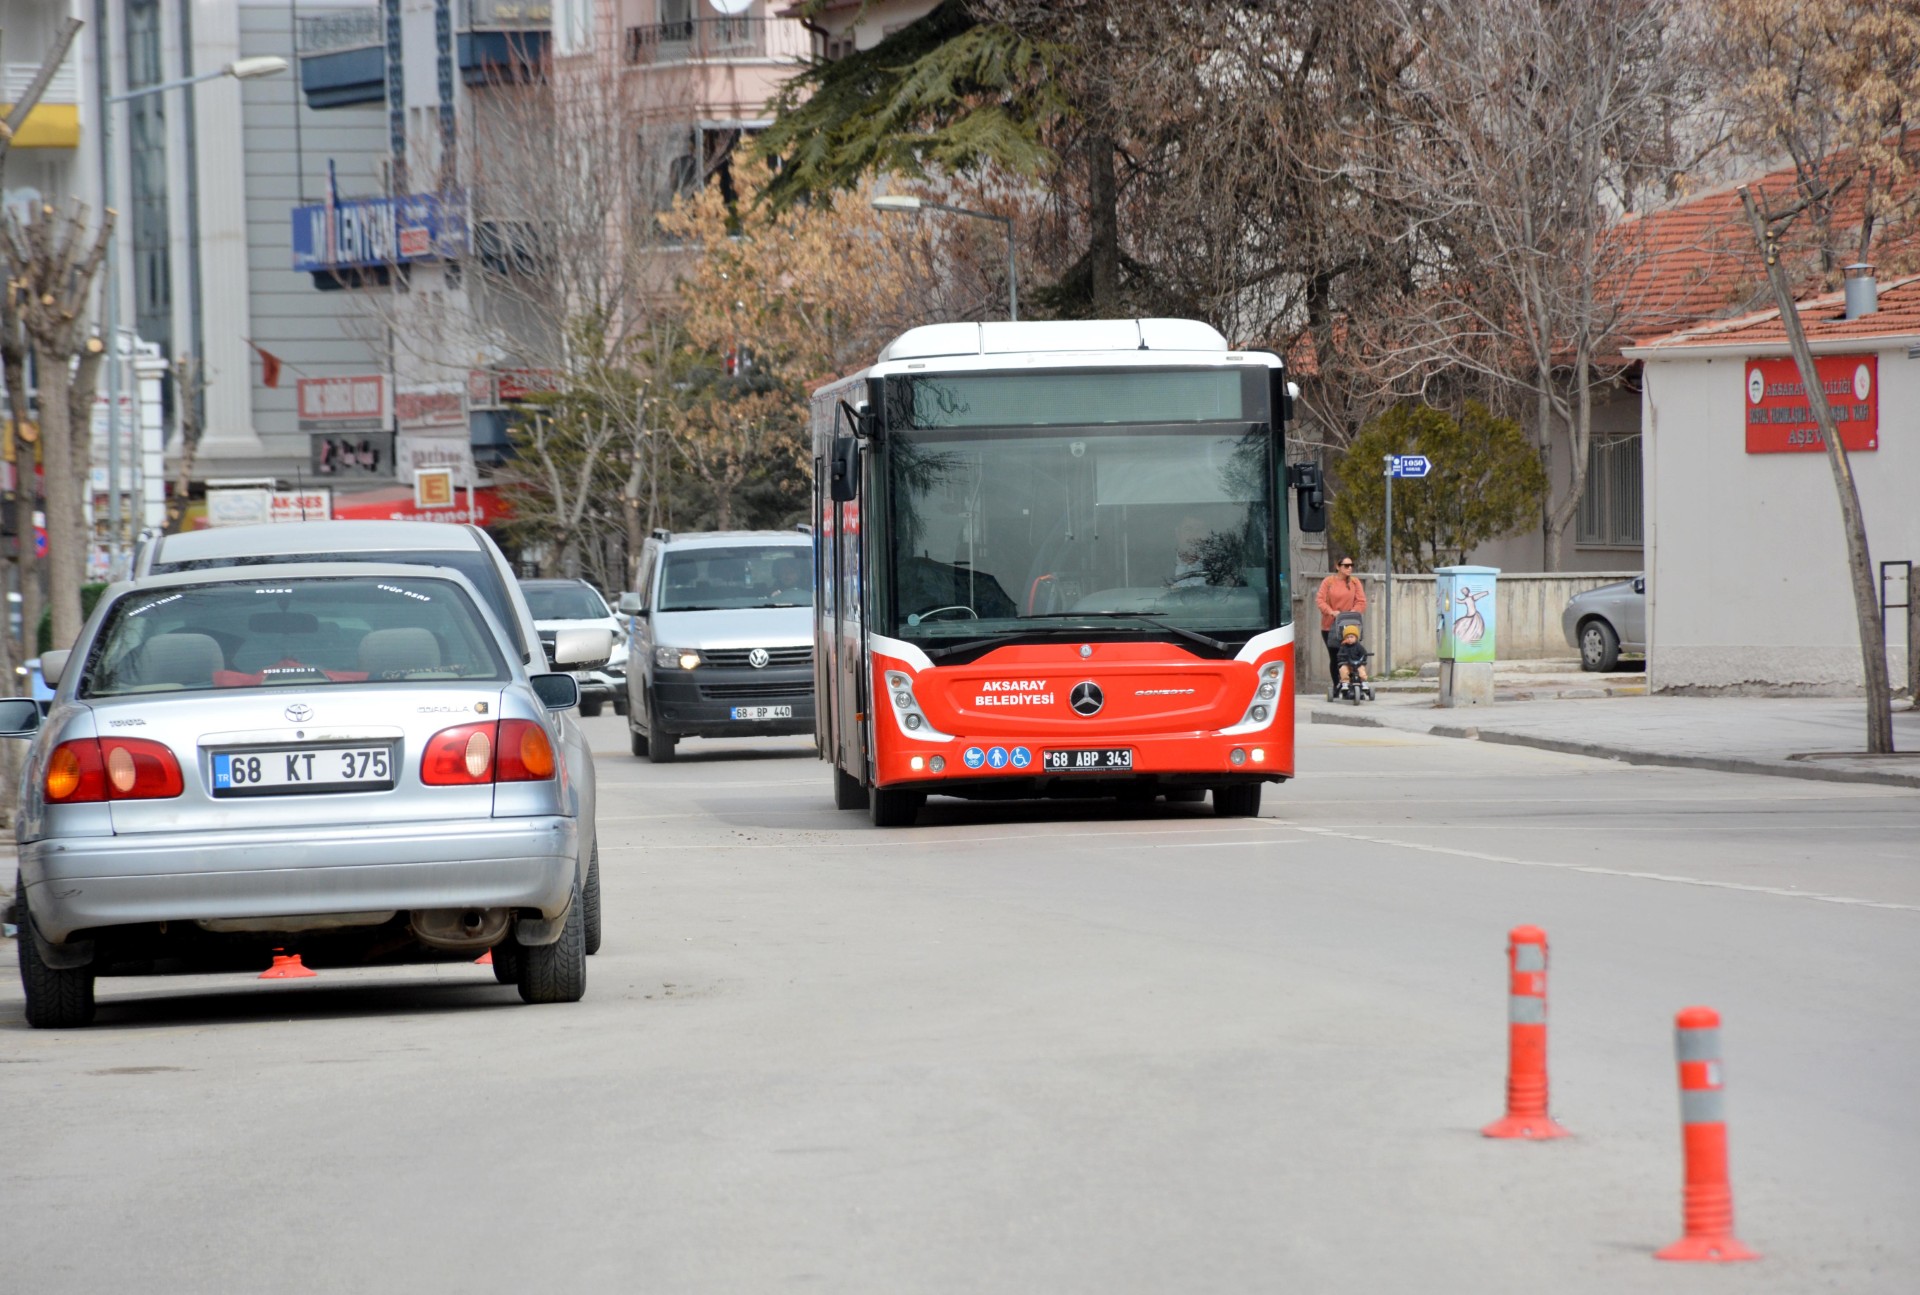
(1408, 465)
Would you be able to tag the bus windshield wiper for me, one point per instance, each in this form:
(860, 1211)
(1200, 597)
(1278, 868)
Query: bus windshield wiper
(1151, 618)
(991, 640)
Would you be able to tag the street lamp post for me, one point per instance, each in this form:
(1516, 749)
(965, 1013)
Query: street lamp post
(907, 202)
(242, 69)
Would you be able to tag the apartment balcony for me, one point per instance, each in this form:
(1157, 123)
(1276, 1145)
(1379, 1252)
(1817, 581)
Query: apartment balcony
(55, 120)
(343, 53)
(343, 58)
(715, 38)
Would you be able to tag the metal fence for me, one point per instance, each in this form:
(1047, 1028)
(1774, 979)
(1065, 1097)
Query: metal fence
(339, 29)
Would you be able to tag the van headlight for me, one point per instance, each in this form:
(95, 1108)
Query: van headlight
(673, 658)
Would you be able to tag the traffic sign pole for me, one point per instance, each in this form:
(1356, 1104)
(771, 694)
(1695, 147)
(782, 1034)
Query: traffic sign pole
(1386, 635)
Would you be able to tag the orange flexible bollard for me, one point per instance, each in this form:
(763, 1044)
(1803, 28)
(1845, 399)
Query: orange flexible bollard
(287, 967)
(1708, 1211)
(484, 960)
(1526, 1115)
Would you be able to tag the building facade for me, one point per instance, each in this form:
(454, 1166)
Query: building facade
(1748, 584)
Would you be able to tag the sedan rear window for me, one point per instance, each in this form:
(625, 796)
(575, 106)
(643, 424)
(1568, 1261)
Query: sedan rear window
(267, 633)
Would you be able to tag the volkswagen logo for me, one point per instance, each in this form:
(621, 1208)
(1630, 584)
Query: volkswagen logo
(299, 713)
(758, 658)
(1086, 698)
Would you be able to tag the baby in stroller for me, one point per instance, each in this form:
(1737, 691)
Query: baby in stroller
(1350, 658)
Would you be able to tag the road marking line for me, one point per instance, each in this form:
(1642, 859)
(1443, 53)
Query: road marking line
(1782, 892)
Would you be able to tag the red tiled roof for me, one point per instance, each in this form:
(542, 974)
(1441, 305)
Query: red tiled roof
(1696, 260)
(1823, 318)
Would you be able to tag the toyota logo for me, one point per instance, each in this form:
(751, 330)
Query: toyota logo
(299, 713)
(758, 658)
(1086, 698)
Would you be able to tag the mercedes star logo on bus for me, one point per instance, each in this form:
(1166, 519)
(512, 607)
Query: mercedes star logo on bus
(1086, 698)
(299, 713)
(758, 658)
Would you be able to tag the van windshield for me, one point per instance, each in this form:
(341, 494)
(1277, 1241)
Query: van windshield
(727, 578)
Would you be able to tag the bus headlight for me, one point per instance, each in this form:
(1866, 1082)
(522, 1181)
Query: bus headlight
(1265, 700)
(906, 709)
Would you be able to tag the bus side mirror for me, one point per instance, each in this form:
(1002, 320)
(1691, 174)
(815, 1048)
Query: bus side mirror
(844, 482)
(1309, 496)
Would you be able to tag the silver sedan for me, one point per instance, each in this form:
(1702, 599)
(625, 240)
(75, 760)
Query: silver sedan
(336, 762)
(1605, 622)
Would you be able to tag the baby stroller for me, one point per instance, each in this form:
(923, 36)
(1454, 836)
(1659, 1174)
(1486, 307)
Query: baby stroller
(1354, 690)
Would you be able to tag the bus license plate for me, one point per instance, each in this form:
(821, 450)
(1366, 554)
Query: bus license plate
(763, 712)
(1087, 759)
(360, 768)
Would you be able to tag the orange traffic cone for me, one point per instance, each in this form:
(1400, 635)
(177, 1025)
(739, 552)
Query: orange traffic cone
(484, 960)
(287, 966)
(1526, 1115)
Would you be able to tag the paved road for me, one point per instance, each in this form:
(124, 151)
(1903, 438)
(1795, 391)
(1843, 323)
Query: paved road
(1041, 1049)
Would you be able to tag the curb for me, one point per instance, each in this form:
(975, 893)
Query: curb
(1629, 755)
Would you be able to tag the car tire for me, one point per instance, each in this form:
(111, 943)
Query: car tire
(1599, 646)
(506, 961)
(620, 705)
(847, 790)
(589, 709)
(58, 998)
(894, 808)
(1241, 801)
(636, 742)
(660, 744)
(591, 898)
(557, 972)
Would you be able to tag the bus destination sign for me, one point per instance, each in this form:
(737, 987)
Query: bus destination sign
(1780, 419)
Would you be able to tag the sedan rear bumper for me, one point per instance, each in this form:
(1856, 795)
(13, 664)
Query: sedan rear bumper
(81, 883)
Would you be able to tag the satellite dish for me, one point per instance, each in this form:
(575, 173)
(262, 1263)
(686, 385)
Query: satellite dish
(731, 8)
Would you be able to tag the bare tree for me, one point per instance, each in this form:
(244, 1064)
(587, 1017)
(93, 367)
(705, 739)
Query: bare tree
(1526, 136)
(1768, 228)
(52, 262)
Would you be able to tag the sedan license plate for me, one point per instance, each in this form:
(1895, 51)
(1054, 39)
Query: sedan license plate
(1087, 759)
(335, 768)
(763, 712)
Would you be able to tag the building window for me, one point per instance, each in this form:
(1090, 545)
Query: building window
(1610, 508)
(147, 171)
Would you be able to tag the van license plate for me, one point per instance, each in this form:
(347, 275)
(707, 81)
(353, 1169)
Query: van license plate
(1087, 759)
(358, 768)
(763, 712)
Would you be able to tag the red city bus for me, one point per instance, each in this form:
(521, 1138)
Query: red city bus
(1051, 561)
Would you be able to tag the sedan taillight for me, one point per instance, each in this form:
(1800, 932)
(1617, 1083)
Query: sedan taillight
(115, 768)
(513, 750)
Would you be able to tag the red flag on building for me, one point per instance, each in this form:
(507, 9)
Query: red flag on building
(269, 364)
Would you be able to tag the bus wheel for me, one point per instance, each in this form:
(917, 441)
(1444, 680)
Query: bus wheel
(847, 791)
(894, 808)
(1237, 802)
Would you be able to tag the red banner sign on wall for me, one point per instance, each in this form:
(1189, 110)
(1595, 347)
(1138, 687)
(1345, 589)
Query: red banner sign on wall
(1780, 419)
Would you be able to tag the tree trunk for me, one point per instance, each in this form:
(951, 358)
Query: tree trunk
(1103, 221)
(1866, 599)
(67, 540)
(26, 492)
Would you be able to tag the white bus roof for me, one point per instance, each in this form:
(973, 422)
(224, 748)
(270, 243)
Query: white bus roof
(1082, 335)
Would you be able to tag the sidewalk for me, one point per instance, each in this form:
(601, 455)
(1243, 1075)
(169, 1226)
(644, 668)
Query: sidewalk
(1791, 737)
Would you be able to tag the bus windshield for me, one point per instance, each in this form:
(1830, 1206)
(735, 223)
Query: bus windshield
(1064, 529)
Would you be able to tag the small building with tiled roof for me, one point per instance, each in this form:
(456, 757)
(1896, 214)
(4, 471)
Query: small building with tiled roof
(1748, 588)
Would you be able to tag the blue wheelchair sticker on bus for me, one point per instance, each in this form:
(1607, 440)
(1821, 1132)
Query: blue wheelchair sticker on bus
(974, 757)
(997, 757)
(1022, 757)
